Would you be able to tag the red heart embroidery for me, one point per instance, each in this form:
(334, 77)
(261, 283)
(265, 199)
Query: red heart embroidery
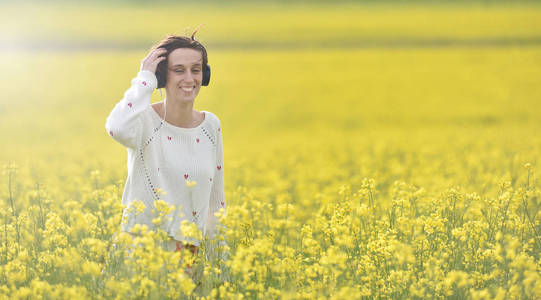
(144, 83)
(185, 176)
(219, 167)
(197, 140)
(111, 132)
(129, 104)
(218, 128)
(194, 213)
(169, 138)
(211, 179)
(222, 203)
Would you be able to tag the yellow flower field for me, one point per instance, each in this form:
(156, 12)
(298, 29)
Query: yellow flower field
(355, 167)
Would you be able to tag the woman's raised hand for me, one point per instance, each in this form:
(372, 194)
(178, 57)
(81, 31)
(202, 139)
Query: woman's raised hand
(153, 58)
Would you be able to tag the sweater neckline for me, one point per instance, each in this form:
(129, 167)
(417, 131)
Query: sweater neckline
(177, 128)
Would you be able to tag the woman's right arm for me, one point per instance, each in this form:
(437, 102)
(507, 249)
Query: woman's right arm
(123, 123)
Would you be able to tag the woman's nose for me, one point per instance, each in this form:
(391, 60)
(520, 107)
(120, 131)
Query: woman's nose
(189, 76)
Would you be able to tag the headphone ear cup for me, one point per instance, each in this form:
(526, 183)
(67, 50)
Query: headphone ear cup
(160, 76)
(206, 75)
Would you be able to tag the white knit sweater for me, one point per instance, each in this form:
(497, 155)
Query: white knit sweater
(164, 159)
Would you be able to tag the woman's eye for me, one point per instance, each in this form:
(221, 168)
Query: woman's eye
(196, 70)
(179, 71)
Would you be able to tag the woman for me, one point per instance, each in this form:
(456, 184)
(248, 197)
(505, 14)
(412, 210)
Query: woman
(175, 152)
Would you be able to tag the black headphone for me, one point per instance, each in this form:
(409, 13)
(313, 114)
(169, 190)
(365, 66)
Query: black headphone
(161, 76)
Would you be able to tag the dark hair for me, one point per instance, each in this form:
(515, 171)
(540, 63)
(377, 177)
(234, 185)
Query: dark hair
(172, 42)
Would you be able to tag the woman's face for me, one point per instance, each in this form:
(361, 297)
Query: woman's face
(184, 74)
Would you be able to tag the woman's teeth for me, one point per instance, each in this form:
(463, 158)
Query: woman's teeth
(187, 89)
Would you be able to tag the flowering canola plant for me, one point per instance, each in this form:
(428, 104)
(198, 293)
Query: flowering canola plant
(403, 174)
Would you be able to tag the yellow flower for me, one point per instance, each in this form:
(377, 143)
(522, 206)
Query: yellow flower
(190, 183)
(91, 268)
(160, 191)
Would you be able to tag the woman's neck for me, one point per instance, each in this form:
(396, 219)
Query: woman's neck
(179, 114)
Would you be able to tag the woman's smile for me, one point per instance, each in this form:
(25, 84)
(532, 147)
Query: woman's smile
(188, 89)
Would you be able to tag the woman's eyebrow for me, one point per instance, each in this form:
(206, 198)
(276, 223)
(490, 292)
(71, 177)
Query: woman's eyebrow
(181, 65)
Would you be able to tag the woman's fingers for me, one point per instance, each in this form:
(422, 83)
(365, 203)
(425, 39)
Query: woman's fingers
(151, 61)
(154, 54)
(157, 52)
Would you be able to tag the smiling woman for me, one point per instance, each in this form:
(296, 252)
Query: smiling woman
(175, 153)
(183, 82)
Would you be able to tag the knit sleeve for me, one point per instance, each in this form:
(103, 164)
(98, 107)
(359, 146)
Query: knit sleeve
(217, 194)
(123, 123)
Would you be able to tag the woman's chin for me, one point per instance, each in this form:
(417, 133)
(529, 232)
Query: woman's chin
(181, 99)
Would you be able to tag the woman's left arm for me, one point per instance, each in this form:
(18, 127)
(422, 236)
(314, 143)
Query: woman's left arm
(217, 193)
